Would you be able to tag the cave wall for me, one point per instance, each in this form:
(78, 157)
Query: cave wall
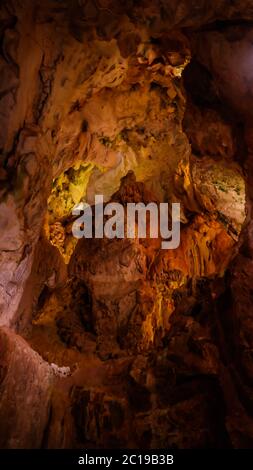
(129, 345)
(66, 67)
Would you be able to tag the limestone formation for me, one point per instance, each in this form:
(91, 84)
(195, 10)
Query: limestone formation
(116, 342)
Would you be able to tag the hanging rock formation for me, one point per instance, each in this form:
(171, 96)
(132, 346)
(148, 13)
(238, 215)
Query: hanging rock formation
(119, 343)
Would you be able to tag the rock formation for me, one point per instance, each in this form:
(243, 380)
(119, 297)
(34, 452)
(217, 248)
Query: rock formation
(117, 342)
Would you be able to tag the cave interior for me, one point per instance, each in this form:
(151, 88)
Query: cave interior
(117, 343)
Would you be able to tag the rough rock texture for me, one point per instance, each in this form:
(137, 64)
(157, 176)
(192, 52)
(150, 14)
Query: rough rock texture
(126, 344)
(25, 390)
(132, 281)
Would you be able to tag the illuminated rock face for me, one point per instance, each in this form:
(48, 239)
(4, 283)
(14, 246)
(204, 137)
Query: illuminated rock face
(138, 346)
(133, 282)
